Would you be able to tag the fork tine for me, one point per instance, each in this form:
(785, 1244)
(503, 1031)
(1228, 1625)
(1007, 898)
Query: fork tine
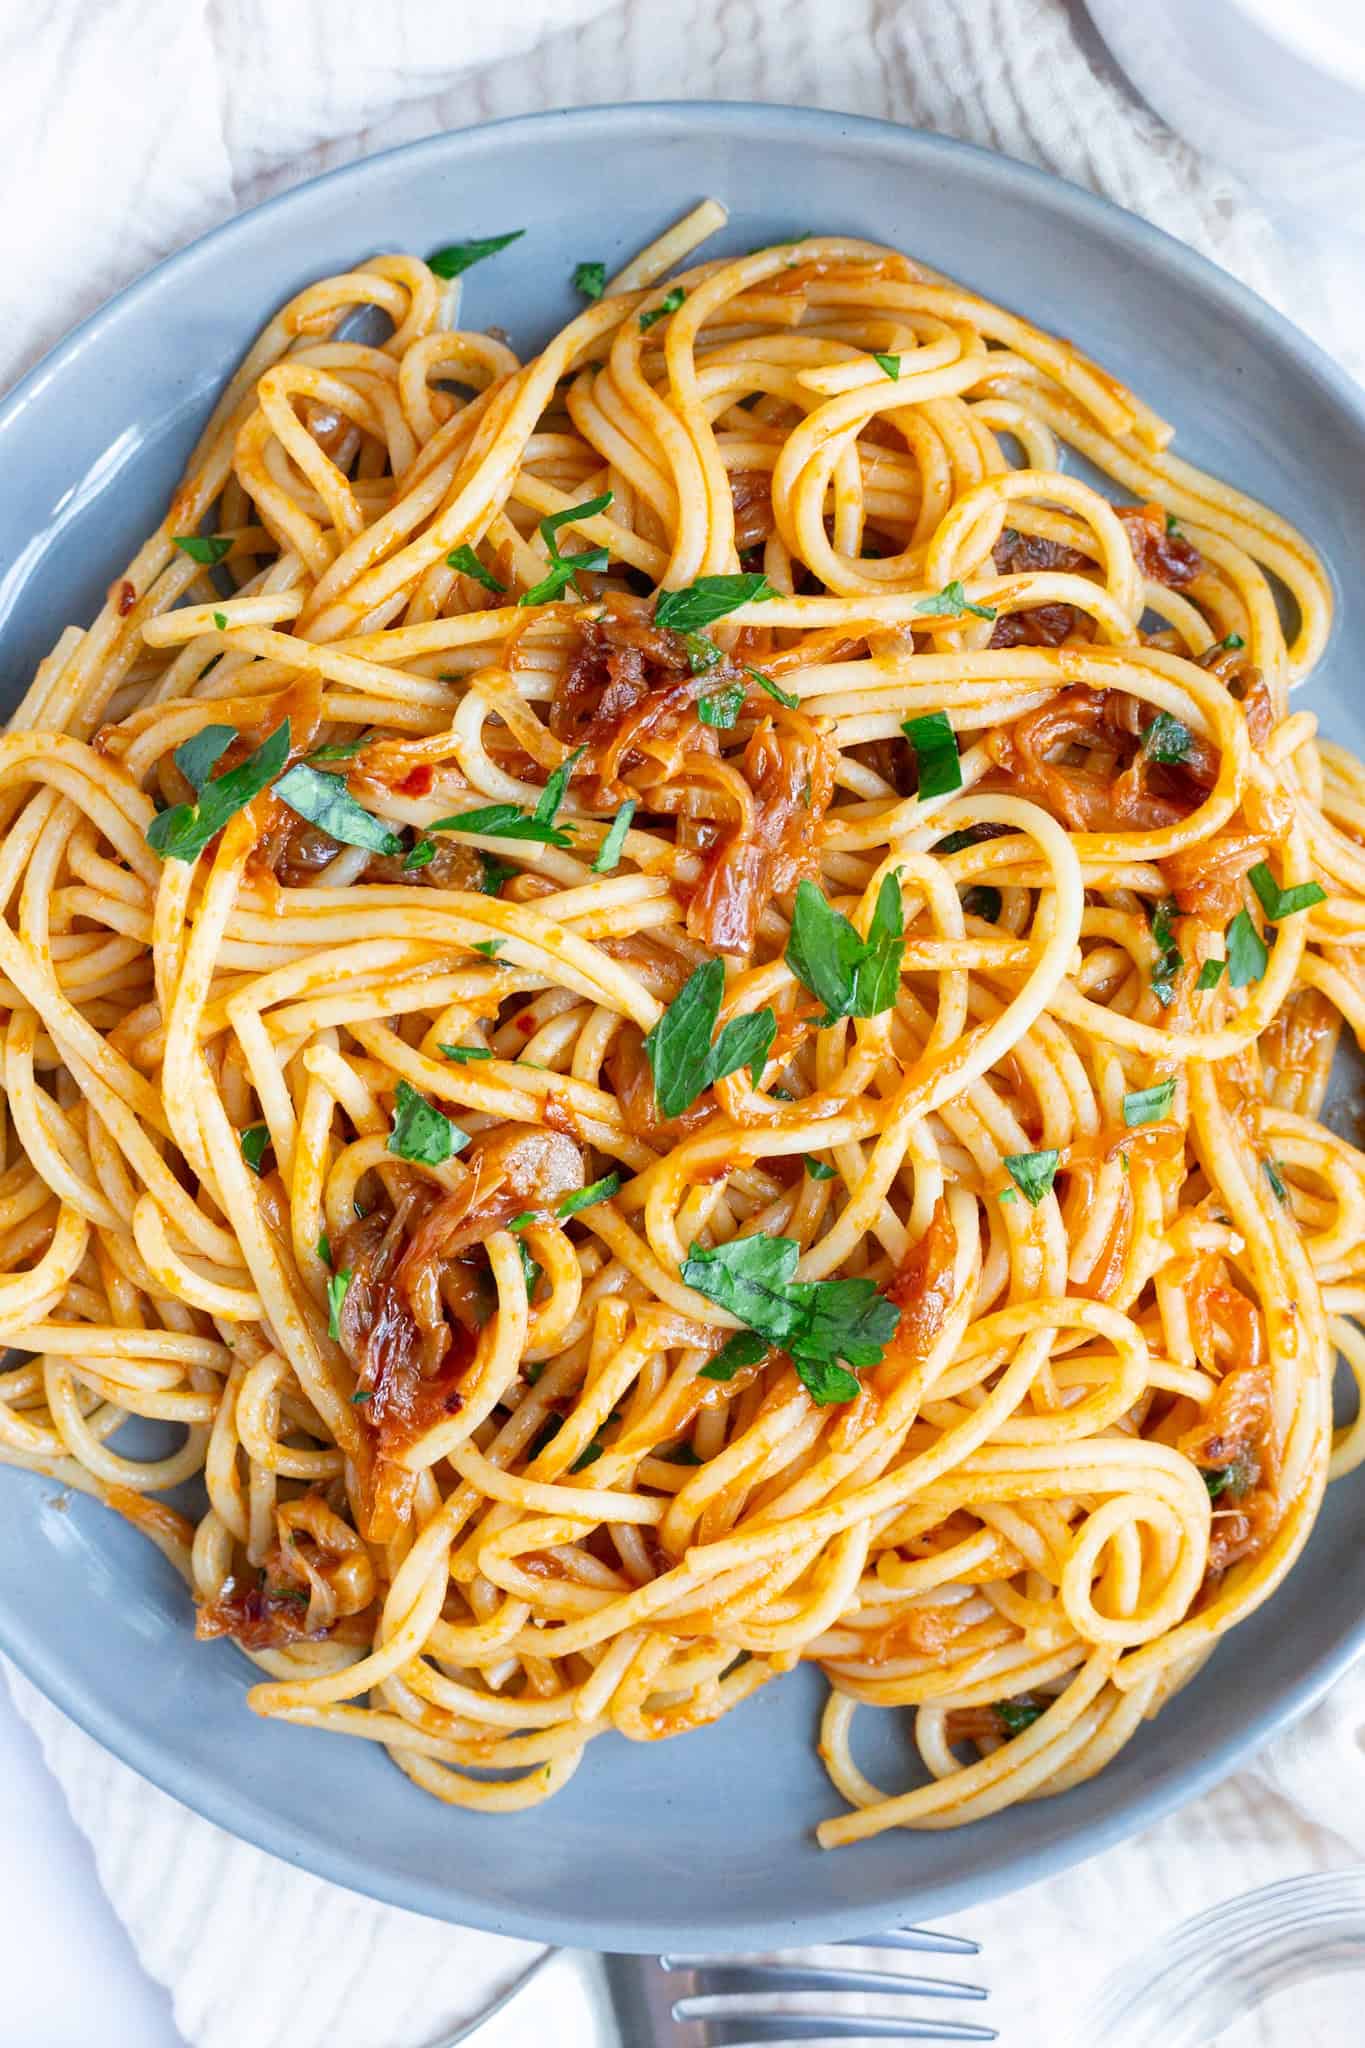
(785, 2030)
(734, 1980)
(926, 1939)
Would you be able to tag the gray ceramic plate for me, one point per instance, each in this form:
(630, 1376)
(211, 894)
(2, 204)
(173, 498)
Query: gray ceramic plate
(705, 1840)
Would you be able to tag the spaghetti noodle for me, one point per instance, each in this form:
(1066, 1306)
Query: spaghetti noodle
(675, 1003)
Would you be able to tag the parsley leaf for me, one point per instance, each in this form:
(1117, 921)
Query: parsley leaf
(420, 855)
(1017, 1715)
(1248, 956)
(341, 750)
(183, 832)
(701, 603)
(1210, 974)
(891, 365)
(1233, 1479)
(669, 303)
(495, 873)
(936, 755)
(820, 1169)
(327, 803)
(787, 697)
(745, 1347)
(457, 257)
(1166, 739)
(817, 1322)
(564, 568)
(722, 708)
(336, 1295)
(609, 852)
(1277, 902)
(851, 976)
(590, 279)
(509, 821)
(255, 1143)
(702, 654)
(464, 1053)
(1033, 1173)
(588, 1197)
(198, 756)
(420, 1132)
(467, 562)
(204, 548)
(1146, 1105)
(1170, 961)
(679, 1048)
(1233, 640)
(681, 1454)
(1276, 1179)
(220, 620)
(951, 600)
(490, 948)
(324, 1248)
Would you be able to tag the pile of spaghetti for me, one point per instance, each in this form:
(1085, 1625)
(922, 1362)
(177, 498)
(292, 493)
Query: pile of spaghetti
(675, 1003)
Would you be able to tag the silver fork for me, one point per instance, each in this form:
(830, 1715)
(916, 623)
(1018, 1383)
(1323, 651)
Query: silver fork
(698, 2001)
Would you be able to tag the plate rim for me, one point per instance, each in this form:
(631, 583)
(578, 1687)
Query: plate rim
(219, 1801)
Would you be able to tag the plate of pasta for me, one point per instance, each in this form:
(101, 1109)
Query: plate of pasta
(682, 914)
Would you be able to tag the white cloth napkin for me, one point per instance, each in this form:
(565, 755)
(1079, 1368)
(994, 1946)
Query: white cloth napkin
(131, 126)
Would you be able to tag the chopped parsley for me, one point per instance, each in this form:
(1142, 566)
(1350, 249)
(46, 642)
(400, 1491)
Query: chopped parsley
(220, 620)
(1232, 641)
(701, 603)
(336, 1296)
(255, 1143)
(509, 821)
(590, 279)
(1210, 974)
(1015, 1716)
(851, 976)
(457, 257)
(936, 755)
(817, 1323)
(461, 1054)
(183, 832)
(669, 303)
(207, 549)
(951, 600)
(679, 1049)
(325, 801)
(1147, 1105)
(1169, 961)
(565, 568)
(1033, 1173)
(467, 562)
(745, 1347)
(891, 365)
(1233, 1480)
(722, 708)
(588, 1197)
(1277, 902)
(609, 852)
(324, 1248)
(1248, 956)
(420, 1132)
(784, 697)
(820, 1169)
(1166, 739)
(1276, 1179)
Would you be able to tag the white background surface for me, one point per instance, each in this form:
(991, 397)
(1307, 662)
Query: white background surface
(69, 1975)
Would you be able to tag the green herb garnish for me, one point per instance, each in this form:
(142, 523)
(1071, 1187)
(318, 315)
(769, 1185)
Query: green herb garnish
(509, 821)
(851, 976)
(1017, 1715)
(207, 549)
(1277, 902)
(1169, 960)
(609, 852)
(463, 1053)
(890, 364)
(936, 755)
(588, 1197)
(951, 600)
(1033, 1173)
(1166, 739)
(457, 257)
(669, 303)
(785, 697)
(1276, 1179)
(722, 708)
(325, 801)
(255, 1143)
(701, 603)
(1248, 956)
(816, 1322)
(183, 832)
(590, 279)
(1210, 974)
(467, 562)
(743, 1348)
(679, 1049)
(420, 1132)
(565, 568)
(336, 1295)
(819, 1169)
(1147, 1105)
